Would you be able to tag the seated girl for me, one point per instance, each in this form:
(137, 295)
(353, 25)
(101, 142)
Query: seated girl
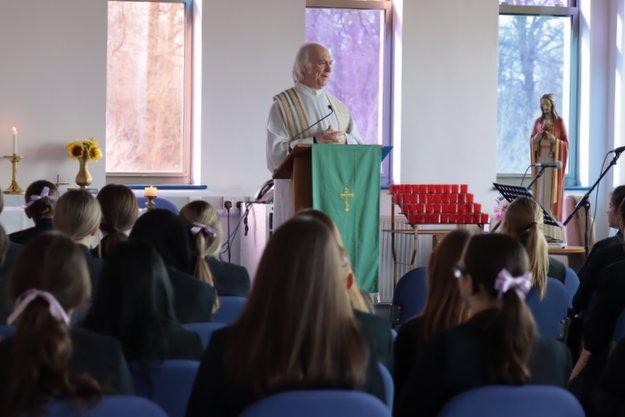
(498, 345)
(297, 330)
(46, 359)
(40, 199)
(134, 305)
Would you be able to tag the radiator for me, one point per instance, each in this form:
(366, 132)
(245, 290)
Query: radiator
(404, 246)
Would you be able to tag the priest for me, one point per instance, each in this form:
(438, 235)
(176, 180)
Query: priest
(293, 116)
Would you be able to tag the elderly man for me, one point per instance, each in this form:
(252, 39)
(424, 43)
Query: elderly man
(293, 117)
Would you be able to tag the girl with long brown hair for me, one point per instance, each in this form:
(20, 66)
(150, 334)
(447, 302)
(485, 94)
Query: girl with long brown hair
(119, 213)
(523, 221)
(444, 307)
(495, 345)
(206, 235)
(297, 331)
(45, 359)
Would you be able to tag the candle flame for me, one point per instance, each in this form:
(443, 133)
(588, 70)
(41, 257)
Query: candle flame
(14, 130)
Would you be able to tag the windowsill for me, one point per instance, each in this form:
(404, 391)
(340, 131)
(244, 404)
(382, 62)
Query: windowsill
(168, 186)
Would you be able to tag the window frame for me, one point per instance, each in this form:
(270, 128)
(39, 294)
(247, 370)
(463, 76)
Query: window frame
(183, 177)
(387, 85)
(572, 179)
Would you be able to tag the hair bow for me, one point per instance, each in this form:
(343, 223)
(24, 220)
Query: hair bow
(56, 310)
(45, 193)
(207, 230)
(506, 282)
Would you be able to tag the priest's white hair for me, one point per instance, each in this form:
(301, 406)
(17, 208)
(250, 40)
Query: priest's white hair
(302, 60)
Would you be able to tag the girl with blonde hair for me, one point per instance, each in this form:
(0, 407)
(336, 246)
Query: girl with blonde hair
(523, 221)
(205, 230)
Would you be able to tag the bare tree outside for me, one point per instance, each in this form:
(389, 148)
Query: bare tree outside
(145, 87)
(533, 60)
(354, 37)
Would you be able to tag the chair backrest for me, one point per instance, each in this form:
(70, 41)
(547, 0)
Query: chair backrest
(619, 327)
(410, 294)
(571, 284)
(159, 202)
(550, 312)
(229, 309)
(167, 383)
(110, 406)
(514, 401)
(6, 331)
(204, 330)
(389, 386)
(318, 403)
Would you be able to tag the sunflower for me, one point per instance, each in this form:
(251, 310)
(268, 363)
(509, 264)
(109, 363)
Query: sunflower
(90, 143)
(95, 153)
(75, 150)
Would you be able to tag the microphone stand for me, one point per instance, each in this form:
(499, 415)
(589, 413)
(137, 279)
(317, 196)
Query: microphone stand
(536, 178)
(585, 203)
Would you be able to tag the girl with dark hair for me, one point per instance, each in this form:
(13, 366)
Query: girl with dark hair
(498, 345)
(119, 213)
(206, 235)
(45, 359)
(133, 304)
(297, 330)
(40, 198)
(193, 299)
(444, 307)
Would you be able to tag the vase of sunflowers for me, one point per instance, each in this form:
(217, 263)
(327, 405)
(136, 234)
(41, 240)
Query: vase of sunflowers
(84, 151)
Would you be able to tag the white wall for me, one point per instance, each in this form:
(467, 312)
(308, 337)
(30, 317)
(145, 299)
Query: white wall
(52, 84)
(449, 95)
(248, 52)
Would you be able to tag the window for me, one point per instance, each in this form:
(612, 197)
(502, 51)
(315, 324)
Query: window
(357, 35)
(148, 91)
(537, 55)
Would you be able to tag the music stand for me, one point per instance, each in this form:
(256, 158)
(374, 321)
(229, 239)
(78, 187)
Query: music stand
(512, 192)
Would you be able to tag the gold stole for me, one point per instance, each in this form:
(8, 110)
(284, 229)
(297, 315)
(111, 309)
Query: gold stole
(295, 118)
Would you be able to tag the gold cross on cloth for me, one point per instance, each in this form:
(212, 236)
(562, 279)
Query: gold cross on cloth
(346, 195)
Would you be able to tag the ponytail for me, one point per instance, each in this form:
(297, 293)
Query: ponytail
(512, 336)
(41, 349)
(109, 242)
(538, 252)
(202, 272)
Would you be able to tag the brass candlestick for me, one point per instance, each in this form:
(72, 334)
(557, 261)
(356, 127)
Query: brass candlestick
(14, 188)
(151, 205)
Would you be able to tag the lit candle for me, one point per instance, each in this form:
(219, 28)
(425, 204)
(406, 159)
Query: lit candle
(14, 140)
(150, 191)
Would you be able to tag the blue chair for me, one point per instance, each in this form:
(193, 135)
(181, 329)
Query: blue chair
(168, 383)
(229, 309)
(159, 202)
(550, 312)
(619, 327)
(410, 295)
(571, 284)
(6, 331)
(113, 405)
(514, 401)
(389, 386)
(204, 330)
(318, 403)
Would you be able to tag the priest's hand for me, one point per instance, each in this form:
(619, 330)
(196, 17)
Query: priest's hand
(331, 136)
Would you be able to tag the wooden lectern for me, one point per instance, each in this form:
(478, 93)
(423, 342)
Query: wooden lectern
(298, 168)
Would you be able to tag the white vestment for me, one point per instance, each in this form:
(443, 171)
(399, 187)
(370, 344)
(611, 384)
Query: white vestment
(316, 105)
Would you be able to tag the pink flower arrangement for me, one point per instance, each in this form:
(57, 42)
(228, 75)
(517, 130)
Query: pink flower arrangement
(500, 209)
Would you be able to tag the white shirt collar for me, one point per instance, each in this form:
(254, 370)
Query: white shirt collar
(307, 90)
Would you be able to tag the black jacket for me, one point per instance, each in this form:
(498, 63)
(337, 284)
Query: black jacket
(24, 236)
(602, 244)
(99, 356)
(193, 299)
(592, 274)
(230, 279)
(377, 332)
(216, 394)
(609, 398)
(94, 265)
(5, 270)
(408, 347)
(456, 360)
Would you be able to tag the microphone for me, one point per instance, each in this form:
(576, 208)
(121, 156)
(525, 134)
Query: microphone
(292, 138)
(618, 150)
(556, 164)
